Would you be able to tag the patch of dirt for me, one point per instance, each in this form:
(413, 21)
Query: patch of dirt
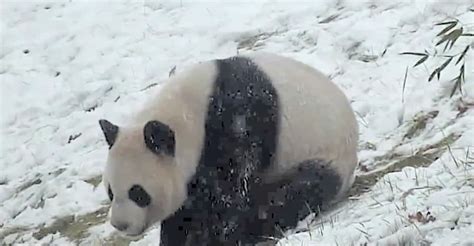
(118, 241)
(95, 181)
(419, 123)
(394, 162)
(28, 184)
(76, 229)
(10, 231)
(253, 42)
(355, 52)
(73, 227)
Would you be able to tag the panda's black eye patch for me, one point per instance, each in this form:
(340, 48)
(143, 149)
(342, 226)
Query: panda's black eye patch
(110, 193)
(139, 196)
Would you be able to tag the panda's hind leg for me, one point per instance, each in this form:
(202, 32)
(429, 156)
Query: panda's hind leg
(312, 186)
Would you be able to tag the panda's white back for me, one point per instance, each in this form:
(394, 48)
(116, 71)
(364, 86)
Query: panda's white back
(317, 121)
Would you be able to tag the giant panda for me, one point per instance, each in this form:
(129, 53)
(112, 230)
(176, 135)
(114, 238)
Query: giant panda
(231, 151)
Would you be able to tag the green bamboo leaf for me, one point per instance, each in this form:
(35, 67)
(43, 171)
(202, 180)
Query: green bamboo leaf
(404, 83)
(446, 23)
(423, 59)
(462, 55)
(446, 29)
(440, 68)
(456, 36)
(432, 75)
(443, 39)
(468, 34)
(453, 90)
(456, 33)
(445, 64)
(457, 85)
(446, 46)
(413, 53)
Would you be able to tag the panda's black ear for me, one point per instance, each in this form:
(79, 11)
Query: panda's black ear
(159, 138)
(110, 131)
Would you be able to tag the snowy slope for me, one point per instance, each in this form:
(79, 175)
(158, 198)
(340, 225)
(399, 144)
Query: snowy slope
(66, 64)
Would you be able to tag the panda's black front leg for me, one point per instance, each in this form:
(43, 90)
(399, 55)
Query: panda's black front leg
(254, 231)
(256, 225)
(194, 227)
(242, 221)
(175, 230)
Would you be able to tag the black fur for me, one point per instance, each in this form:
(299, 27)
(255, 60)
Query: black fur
(110, 193)
(110, 131)
(286, 203)
(159, 138)
(139, 196)
(241, 132)
(243, 97)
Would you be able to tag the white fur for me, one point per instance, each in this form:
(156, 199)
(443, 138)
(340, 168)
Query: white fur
(317, 120)
(317, 123)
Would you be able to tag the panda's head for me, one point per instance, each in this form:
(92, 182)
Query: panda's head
(141, 177)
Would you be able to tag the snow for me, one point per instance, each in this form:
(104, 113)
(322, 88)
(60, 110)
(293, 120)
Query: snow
(67, 64)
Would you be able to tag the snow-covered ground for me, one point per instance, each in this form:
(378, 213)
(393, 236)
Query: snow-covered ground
(66, 64)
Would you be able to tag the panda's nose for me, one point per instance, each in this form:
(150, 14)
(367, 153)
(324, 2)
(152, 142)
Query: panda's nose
(121, 226)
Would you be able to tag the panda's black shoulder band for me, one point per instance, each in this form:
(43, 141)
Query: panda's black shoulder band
(159, 138)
